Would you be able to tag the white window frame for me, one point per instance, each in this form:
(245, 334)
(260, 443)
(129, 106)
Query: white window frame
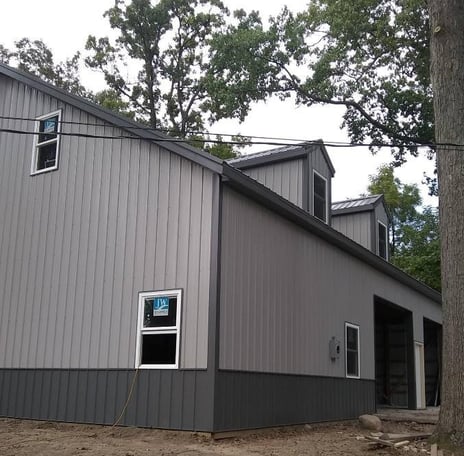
(378, 239)
(158, 330)
(326, 197)
(36, 146)
(353, 326)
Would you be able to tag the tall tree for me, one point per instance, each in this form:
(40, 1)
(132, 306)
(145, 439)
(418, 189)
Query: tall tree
(402, 200)
(415, 245)
(370, 56)
(35, 57)
(168, 44)
(447, 75)
(418, 254)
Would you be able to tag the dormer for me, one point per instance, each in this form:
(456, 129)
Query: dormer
(365, 220)
(301, 173)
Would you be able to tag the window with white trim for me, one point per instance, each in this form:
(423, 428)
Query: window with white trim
(158, 329)
(352, 350)
(382, 237)
(319, 196)
(46, 143)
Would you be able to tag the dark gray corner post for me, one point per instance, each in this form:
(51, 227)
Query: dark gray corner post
(215, 283)
(307, 179)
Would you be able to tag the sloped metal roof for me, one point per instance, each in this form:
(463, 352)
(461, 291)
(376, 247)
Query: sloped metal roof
(265, 153)
(288, 152)
(357, 204)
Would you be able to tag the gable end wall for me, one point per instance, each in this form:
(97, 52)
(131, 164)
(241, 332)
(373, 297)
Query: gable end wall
(79, 243)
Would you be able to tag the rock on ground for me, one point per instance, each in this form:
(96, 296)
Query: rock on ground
(370, 422)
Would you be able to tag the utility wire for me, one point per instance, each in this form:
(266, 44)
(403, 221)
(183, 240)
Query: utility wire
(164, 130)
(248, 139)
(236, 143)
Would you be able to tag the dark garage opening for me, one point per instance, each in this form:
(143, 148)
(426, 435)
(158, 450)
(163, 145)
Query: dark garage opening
(432, 362)
(394, 355)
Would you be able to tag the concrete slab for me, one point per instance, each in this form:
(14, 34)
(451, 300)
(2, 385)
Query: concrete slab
(426, 416)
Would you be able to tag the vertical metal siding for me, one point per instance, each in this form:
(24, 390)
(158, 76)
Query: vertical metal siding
(284, 178)
(160, 399)
(357, 227)
(79, 243)
(250, 400)
(286, 292)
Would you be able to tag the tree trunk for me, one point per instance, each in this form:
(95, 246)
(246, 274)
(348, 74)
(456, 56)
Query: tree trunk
(447, 75)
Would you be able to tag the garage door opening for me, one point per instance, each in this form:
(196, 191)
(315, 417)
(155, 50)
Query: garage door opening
(432, 361)
(394, 355)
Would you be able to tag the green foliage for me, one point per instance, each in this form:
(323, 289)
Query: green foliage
(168, 43)
(218, 147)
(241, 71)
(5, 54)
(370, 56)
(36, 58)
(415, 235)
(111, 100)
(419, 253)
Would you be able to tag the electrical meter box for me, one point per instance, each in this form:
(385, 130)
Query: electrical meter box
(334, 349)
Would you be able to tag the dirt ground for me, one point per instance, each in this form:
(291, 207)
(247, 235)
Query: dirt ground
(35, 438)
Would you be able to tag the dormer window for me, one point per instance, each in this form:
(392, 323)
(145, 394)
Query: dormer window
(382, 240)
(46, 143)
(320, 197)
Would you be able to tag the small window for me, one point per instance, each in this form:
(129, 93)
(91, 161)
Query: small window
(320, 197)
(46, 143)
(382, 238)
(352, 350)
(158, 329)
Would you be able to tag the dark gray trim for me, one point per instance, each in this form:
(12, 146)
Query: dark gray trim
(215, 278)
(374, 235)
(214, 293)
(258, 192)
(167, 399)
(412, 397)
(306, 184)
(183, 149)
(286, 155)
(250, 400)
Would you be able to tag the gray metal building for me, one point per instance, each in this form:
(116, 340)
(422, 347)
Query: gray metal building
(222, 300)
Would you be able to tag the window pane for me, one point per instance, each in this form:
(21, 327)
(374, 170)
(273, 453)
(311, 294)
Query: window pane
(319, 208)
(351, 338)
(160, 311)
(159, 348)
(48, 128)
(352, 363)
(320, 198)
(46, 156)
(382, 241)
(319, 186)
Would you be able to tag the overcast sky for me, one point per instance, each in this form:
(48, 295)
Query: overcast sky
(64, 26)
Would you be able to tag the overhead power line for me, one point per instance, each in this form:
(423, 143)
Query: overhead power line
(164, 130)
(247, 139)
(270, 142)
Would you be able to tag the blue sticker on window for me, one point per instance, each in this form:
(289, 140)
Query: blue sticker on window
(49, 125)
(161, 306)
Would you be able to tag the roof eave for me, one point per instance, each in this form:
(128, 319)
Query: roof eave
(244, 184)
